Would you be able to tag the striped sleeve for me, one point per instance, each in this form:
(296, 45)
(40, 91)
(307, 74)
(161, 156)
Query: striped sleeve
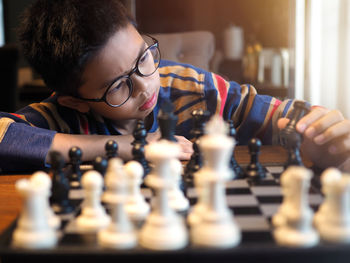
(23, 147)
(254, 115)
(26, 136)
(184, 85)
(191, 88)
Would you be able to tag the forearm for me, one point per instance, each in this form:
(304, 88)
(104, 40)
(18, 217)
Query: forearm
(91, 145)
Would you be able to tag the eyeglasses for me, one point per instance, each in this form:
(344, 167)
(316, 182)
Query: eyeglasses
(122, 87)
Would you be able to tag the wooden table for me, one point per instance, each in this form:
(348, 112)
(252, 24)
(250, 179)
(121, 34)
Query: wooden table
(10, 201)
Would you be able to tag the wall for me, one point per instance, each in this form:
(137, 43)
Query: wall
(267, 21)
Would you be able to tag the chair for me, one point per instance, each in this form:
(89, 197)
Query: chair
(193, 47)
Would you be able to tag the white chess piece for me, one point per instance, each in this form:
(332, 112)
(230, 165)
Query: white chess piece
(217, 227)
(199, 209)
(163, 228)
(136, 206)
(44, 178)
(120, 232)
(93, 216)
(33, 230)
(295, 228)
(328, 178)
(196, 212)
(178, 201)
(115, 168)
(333, 222)
(288, 191)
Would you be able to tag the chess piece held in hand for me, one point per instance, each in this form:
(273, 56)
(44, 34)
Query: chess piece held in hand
(290, 138)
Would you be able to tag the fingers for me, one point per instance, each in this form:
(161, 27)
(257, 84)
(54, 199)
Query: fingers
(185, 156)
(340, 146)
(282, 122)
(335, 131)
(186, 147)
(315, 121)
(326, 127)
(153, 136)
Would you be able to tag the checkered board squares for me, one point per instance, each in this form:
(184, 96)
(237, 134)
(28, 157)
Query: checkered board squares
(252, 203)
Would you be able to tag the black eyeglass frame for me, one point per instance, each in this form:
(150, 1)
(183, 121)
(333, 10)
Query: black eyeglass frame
(128, 76)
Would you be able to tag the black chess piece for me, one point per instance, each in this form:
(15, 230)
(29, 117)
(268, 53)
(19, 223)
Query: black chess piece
(255, 170)
(138, 149)
(100, 165)
(167, 121)
(200, 117)
(60, 185)
(111, 148)
(290, 138)
(239, 173)
(75, 173)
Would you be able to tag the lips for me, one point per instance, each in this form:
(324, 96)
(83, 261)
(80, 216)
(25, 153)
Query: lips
(149, 104)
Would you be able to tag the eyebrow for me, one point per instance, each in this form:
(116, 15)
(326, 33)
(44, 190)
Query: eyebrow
(109, 83)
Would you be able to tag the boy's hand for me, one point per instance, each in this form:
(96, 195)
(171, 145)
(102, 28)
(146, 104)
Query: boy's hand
(326, 136)
(186, 145)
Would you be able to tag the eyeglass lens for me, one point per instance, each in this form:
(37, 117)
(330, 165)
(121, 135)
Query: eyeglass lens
(121, 90)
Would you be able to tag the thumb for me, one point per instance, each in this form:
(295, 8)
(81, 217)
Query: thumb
(282, 122)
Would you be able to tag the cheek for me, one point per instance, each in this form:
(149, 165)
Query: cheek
(121, 113)
(102, 109)
(156, 78)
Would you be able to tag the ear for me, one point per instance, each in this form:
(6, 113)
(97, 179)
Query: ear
(74, 103)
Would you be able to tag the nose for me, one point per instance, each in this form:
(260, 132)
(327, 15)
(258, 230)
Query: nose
(141, 85)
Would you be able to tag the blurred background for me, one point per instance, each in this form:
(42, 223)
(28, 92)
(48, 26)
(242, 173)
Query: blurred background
(285, 48)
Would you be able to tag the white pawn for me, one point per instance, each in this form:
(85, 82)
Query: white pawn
(217, 227)
(114, 168)
(294, 226)
(33, 230)
(288, 192)
(333, 222)
(328, 178)
(44, 178)
(120, 233)
(163, 228)
(178, 201)
(136, 206)
(93, 216)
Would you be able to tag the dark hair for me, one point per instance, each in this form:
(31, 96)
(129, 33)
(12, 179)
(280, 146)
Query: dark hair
(59, 37)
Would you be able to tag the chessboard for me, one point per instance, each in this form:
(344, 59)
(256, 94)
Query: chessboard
(253, 204)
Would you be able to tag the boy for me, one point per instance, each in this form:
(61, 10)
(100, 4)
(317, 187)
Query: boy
(106, 77)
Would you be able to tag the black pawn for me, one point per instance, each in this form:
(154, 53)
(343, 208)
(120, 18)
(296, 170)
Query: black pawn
(167, 121)
(239, 173)
(75, 155)
(200, 117)
(100, 165)
(111, 148)
(60, 185)
(290, 138)
(255, 170)
(138, 149)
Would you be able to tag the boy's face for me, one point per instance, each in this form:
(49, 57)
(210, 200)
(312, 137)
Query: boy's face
(116, 59)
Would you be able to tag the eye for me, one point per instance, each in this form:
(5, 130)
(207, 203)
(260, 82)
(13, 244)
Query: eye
(144, 57)
(116, 86)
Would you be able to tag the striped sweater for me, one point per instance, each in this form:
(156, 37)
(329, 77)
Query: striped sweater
(26, 136)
